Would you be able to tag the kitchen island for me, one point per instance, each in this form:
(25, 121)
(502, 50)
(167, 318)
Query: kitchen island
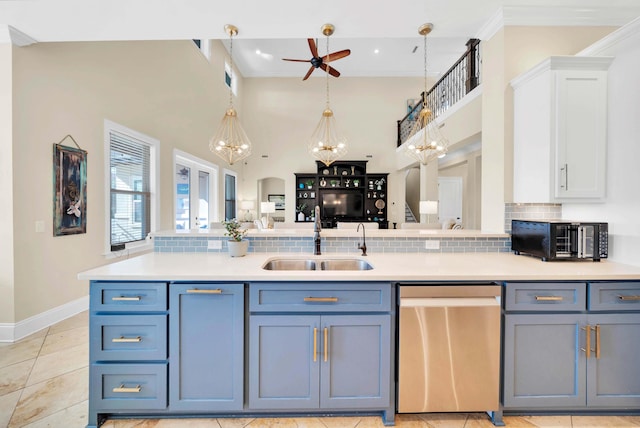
(224, 336)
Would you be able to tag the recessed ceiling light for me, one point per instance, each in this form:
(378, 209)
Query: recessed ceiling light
(258, 51)
(376, 51)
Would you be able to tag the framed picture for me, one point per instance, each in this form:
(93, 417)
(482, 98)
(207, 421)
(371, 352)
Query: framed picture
(69, 190)
(278, 199)
(413, 108)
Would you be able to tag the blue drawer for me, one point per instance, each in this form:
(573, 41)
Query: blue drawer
(320, 297)
(128, 296)
(546, 296)
(128, 337)
(129, 386)
(614, 296)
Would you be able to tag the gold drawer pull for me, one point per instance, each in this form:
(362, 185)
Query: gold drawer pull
(549, 298)
(315, 344)
(320, 299)
(123, 339)
(326, 344)
(205, 291)
(126, 299)
(122, 388)
(629, 297)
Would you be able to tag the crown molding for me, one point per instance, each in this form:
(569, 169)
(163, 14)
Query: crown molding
(557, 16)
(623, 38)
(9, 34)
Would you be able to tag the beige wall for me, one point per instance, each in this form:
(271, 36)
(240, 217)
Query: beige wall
(6, 187)
(167, 90)
(283, 112)
(510, 52)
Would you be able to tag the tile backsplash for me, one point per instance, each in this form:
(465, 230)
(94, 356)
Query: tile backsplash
(530, 212)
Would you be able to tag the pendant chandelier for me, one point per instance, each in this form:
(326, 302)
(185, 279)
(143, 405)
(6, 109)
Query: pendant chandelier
(425, 142)
(230, 142)
(326, 144)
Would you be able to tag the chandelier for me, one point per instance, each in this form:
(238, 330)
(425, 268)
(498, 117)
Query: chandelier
(230, 142)
(326, 144)
(425, 142)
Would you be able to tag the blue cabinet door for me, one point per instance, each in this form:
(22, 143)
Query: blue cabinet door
(284, 362)
(613, 372)
(206, 351)
(355, 373)
(543, 363)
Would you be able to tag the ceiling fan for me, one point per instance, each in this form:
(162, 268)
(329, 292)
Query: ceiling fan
(321, 62)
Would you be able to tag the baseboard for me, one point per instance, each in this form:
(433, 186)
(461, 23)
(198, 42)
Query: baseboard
(11, 332)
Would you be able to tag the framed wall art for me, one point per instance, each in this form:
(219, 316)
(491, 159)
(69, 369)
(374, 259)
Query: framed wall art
(278, 199)
(69, 189)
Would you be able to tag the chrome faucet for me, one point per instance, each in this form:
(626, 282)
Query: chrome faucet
(362, 246)
(316, 231)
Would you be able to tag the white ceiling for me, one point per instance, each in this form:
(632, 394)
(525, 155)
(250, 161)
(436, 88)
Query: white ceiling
(279, 28)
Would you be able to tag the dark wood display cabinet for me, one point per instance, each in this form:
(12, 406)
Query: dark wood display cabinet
(345, 192)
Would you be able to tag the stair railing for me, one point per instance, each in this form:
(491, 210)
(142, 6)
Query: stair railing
(458, 81)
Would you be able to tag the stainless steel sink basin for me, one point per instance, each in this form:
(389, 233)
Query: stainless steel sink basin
(345, 264)
(290, 264)
(317, 264)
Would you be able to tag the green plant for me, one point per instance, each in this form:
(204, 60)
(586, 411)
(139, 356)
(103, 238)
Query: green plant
(300, 208)
(234, 230)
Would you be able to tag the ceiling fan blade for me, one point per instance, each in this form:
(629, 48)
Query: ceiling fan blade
(312, 47)
(337, 55)
(332, 71)
(306, 76)
(295, 60)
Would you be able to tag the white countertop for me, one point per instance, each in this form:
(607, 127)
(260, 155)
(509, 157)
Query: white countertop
(386, 267)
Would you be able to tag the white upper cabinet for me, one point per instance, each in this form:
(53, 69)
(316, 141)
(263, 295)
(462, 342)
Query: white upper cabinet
(560, 131)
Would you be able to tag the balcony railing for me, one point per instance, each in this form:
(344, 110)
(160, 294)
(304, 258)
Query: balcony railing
(457, 82)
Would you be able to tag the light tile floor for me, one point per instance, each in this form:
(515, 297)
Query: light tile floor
(44, 383)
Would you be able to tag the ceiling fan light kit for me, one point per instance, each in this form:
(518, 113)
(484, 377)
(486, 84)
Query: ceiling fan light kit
(326, 143)
(425, 141)
(230, 142)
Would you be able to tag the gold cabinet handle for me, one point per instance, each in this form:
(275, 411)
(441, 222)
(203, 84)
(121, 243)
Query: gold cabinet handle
(587, 344)
(126, 299)
(123, 339)
(326, 344)
(597, 328)
(549, 298)
(320, 299)
(204, 291)
(122, 388)
(629, 297)
(315, 344)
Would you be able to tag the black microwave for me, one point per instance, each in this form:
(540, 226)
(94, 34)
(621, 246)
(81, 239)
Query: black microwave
(560, 239)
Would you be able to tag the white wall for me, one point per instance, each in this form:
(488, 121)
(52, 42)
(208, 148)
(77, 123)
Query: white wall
(165, 89)
(6, 187)
(622, 205)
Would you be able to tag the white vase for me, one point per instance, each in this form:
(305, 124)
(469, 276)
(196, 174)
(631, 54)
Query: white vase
(300, 216)
(238, 248)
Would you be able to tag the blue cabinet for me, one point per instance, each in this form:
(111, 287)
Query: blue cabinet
(207, 345)
(563, 354)
(307, 355)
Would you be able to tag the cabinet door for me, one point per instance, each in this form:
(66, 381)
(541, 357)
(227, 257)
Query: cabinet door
(581, 133)
(356, 361)
(206, 330)
(284, 362)
(543, 364)
(613, 372)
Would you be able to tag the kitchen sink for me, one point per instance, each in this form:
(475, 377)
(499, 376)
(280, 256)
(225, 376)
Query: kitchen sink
(290, 264)
(345, 264)
(317, 264)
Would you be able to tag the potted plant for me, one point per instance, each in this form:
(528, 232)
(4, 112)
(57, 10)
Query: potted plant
(300, 210)
(237, 245)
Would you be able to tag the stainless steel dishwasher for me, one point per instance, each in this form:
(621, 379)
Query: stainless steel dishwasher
(449, 348)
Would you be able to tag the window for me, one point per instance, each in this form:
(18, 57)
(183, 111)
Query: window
(230, 191)
(195, 184)
(131, 192)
